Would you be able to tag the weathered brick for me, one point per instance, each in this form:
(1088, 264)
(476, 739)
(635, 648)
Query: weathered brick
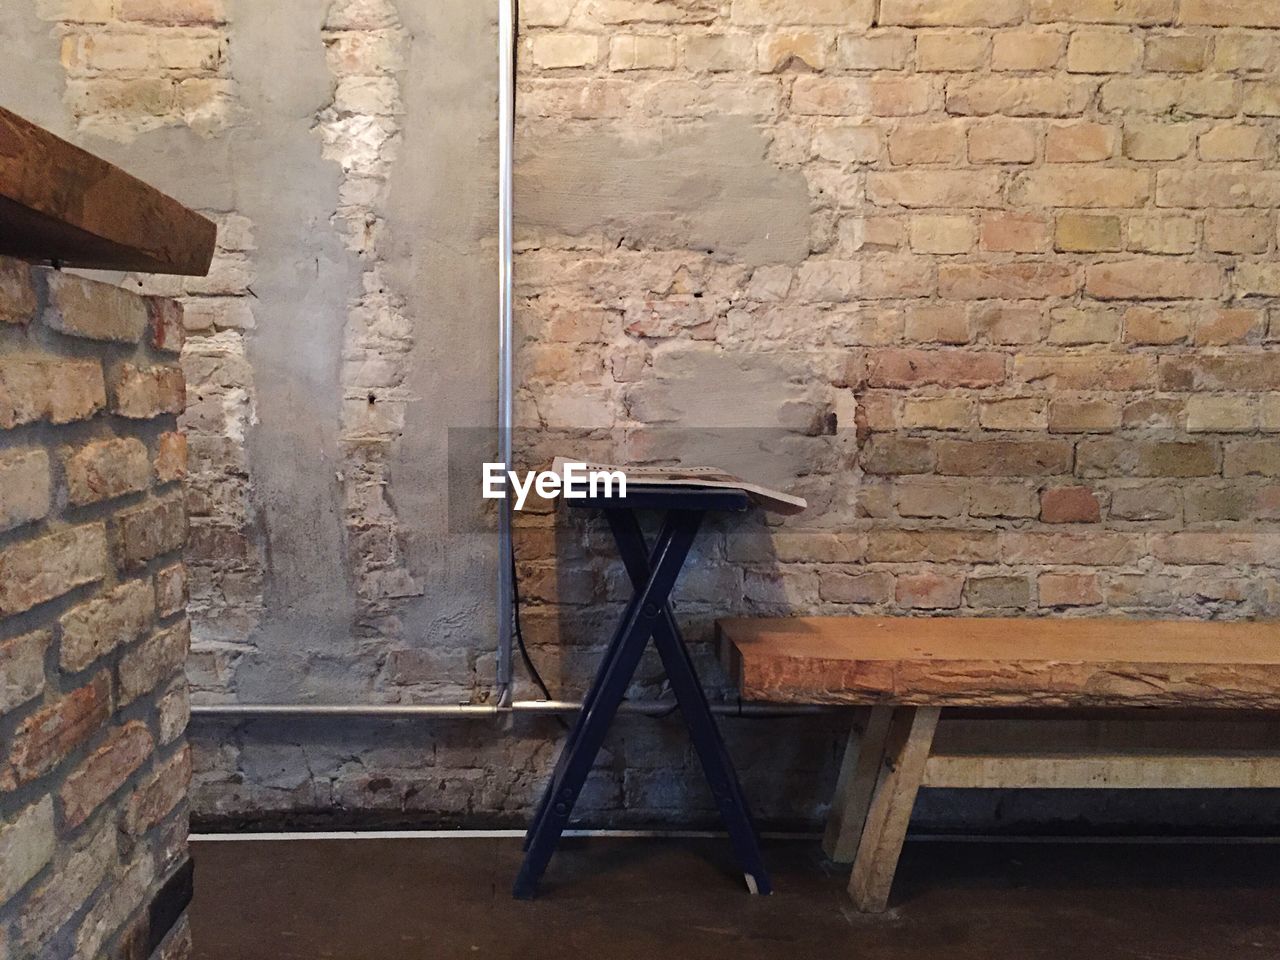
(952, 368)
(1082, 415)
(1204, 187)
(1141, 12)
(1094, 548)
(926, 143)
(1153, 279)
(22, 669)
(173, 12)
(40, 388)
(27, 842)
(1026, 49)
(1215, 503)
(936, 413)
(1018, 96)
(66, 889)
(141, 394)
(1181, 53)
(910, 546)
(897, 455)
(1069, 505)
(1157, 141)
(97, 311)
(105, 469)
(1082, 186)
(39, 570)
(1146, 502)
(17, 298)
(997, 591)
(1095, 372)
(149, 530)
(1103, 51)
(1156, 325)
(784, 49)
(1225, 372)
(1003, 458)
(1014, 233)
(45, 738)
(1235, 142)
(937, 323)
(851, 14)
(717, 53)
(1076, 326)
(1080, 232)
(1168, 235)
(929, 591)
(1003, 141)
(1230, 13)
(1080, 143)
(1146, 458)
(951, 51)
(166, 324)
(130, 891)
(104, 771)
(1012, 413)
(1214, 547)
(153, 661)
(930, 188)
(928, 499)
(171, 457)
(1221, 414)
(1246, 458)
(1237, 233)
(98, 626)
(560, 50)
(1034, 279)
(884, 52)
(1003, 499)
(839, 586)
(25, 487)
(943, 234)
(951, 13)
(1069, 589)
(159, 793)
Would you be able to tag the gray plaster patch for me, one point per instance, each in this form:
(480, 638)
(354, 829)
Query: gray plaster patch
(702, 186)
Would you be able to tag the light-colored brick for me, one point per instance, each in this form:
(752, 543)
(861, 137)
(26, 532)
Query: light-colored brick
(150, 530)
(793, 48)
(1103, 51)
(39, 570)
(27, 842)
(1079, 232)
(718, 53)
(1170, 235)
(951, 13)
(1018, 96)
(144, 393)
(1235, 142)
(17, 297)
(1082, 186)
(1080, 143)
(99, 626)
(1153, 279)
(950, 51)
(942, 188)
(153, 661)
(34, 388)
(97, 311)
(22, 669)
(1178, 53)
(850, 14)
(552, 51)
(171, 457)
(1141, 12)
(911, 145)
(1157, 141)
(1237, 233)
(25, 487)
(1027, 49)
(996, 141)
(943, 234)
(632, 52)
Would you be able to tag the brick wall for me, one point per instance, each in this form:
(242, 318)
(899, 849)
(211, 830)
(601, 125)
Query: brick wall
(94, 766)
(1039, 290)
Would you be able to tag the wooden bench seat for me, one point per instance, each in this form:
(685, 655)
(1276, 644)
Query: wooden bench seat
(902, 671)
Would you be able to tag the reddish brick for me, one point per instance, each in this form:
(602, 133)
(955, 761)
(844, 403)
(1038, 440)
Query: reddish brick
(104, 771)
(44, 739)
(1069, 505)
(171, 457)
(1032, 280)
(165, 318)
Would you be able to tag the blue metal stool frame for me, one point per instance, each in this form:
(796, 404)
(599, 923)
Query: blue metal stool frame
(648, 614)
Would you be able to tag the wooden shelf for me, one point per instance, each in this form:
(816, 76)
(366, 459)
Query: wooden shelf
(61, 203)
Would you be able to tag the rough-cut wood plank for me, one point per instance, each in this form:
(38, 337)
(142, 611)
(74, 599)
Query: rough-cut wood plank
(906, 751)
(1012, 662)
(1114, 771)
(858, 772)
(58, 202)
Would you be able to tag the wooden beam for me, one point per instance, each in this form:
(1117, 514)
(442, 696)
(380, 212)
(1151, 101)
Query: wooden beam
(61, 203)
(859, 770)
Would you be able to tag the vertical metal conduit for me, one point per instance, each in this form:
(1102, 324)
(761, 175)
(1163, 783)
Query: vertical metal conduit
(506, 384)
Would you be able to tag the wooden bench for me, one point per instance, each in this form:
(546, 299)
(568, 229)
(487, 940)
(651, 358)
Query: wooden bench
(903, 671)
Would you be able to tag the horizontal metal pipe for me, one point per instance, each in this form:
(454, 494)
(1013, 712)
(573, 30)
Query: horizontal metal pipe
(397, 711)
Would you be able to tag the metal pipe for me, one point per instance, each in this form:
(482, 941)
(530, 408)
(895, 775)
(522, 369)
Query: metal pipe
(398, 711)
(506, 384)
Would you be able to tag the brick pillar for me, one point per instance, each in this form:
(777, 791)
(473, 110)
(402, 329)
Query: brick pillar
(94, 764)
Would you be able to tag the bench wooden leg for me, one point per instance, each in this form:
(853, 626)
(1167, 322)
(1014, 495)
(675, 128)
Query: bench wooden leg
(906, 750)
(858, 772)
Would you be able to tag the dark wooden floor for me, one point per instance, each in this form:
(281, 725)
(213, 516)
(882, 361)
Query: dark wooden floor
(618, 899)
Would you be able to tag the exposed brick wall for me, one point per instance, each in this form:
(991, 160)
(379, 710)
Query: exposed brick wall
(94, 765)
(1040, 287)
